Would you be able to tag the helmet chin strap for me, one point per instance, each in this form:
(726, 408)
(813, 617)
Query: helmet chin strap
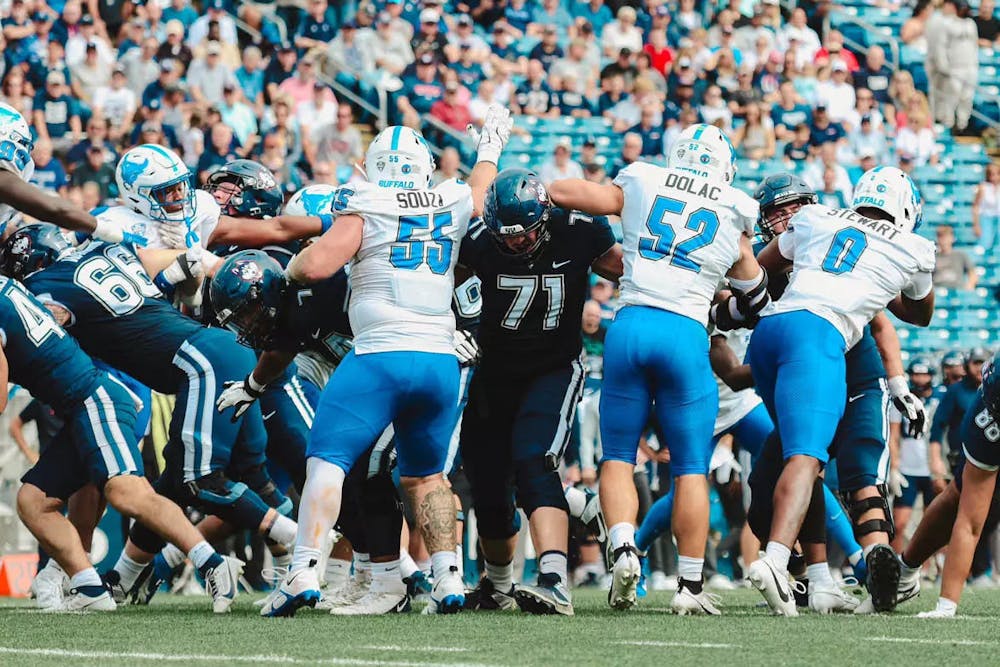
(361, 170)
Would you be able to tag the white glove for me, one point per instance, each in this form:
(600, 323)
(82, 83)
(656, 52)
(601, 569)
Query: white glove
(724, 465)
(172, 234)
(112, 233)
(186, 266)
(909, 406)
(491, 139)
(466, 348)
(239, 395)
(897, 482)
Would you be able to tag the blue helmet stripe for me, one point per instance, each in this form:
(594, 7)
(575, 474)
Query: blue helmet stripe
(699, 131)
(394, 142)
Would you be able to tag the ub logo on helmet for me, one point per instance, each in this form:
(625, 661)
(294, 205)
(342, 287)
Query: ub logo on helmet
(891, 191)
(704, 150)
(398, 157)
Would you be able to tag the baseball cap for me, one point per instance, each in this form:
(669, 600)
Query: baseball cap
(167, 65)
(589, 140)
(286, 47)
(151, 126)
(55, 77)
(216, 4)
(385, 18)
(952, 358)
(87, 20)
(839, 66)
(564, 144)
(429, 16)
(918, 366)
(978, 354)
(464, 19)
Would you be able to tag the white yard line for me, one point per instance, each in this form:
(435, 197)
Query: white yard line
(432, 649)
(939, 642)
(661, 644)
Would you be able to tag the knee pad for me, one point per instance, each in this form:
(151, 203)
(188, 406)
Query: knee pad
(856, 508)
(257, 478)
(496, 520)
(232, 501)
(538, 486)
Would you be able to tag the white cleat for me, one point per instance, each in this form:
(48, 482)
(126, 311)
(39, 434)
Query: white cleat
(85, 599)
(275, 575)
(448, 594)
(686, 602)
(831, 599)
(299, 589)
(352, 591)
(47, 586)
(376, 603)
(624, 578)
(773, 584)
(937, 613)
(222, 583)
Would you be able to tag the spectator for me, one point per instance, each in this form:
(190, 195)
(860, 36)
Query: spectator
(68, 22)
(174, 48)
(628, 112)
(95, 170)
(90, 195)
(220, 150)
(874, 75)
(49, 174)
(15, 93)
(151, 126)
(864, 105)
(954, 269)
(754, 139)
(116, 102)
(281, 121)
(867, 140)
(464, 34)
(985, 210)
(19, 33)
(392, 49)
(562, 165)
(829, 195)
(916, 140)
(482, 101)
(141, 67)
(904, 96)
(953, 58)
(97, 135)
(651, 132)
(621, 34)
(420, 91)
(723, 71)
(837, 95)
(518, 16)
(430, 38)
(150, 15)
(302, 87)
(276, 157)
(450, 110)
(797, 150)
(534, 96)
(631, 150)
(338, 142)
(789, 112)
(987, 25)
(215, 11)
(823, 129)
(168, 77)
(447, 166)
(182, 11)
(595, 173)
(661, 56)
(833, 51)
(913, 33)
(645, 70)
(622, 66)
(398, 24)
(594, 12)
(207, 78)
(351, 56)
(826, 158)
(714, 109)
(250, 78)
(566, 98)
(76, 45)
(746, 92)
(468, 70)
(317, 27)
(550, 13)
(237, 114)
(547, 51)
(799, 38)
(754, 40)
(504, 55)
(89, 75)
(56, 114)
(280, 68)
(229, 53)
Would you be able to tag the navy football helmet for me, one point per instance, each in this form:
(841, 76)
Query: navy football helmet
(517, 205)
(773, 194)
(991, 388)
(246, 189)
(246, 294)
(32, 248)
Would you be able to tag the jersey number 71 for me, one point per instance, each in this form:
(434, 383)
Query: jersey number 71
(665, 216)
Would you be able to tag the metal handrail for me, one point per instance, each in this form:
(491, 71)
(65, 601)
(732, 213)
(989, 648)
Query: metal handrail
(447, 129)
(381, 112)
(893, 45)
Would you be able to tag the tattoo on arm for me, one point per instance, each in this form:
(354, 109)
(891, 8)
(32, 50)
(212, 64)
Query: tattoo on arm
(436, 518)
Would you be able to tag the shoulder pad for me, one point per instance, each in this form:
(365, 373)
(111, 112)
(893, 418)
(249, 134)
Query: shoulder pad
(206, 208)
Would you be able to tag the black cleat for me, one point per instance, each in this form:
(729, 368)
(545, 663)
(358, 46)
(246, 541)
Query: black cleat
(485, 597)
(883, 577)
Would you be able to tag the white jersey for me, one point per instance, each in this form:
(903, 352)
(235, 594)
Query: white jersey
(402, 278)
(681, 236)
(8, 214)
(734, 405)
(913, 451)
(847, 267)
(206, 219)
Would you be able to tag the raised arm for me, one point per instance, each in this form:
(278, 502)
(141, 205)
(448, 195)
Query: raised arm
(490, 141)
(576, 194)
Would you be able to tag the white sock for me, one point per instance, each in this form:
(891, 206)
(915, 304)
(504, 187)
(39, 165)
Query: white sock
(318, 510)
(906, 570)
(87, 577)
(690, 569)
(501, 575)
(946, 605)
(386, 577)
(425, 567)
(283, 530)
(779, 554)
(337, 572)
(553, 562)
(407, 566)
(622, 534)
(819, 574)
(128, 570)
(199, 554)
(442, 562)
(460, 560)
(577, 501)
(362, 566)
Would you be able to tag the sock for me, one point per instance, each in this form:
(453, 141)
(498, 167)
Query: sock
(319, 508)
(908, 570)
(501, 575)
(779, 554)
(386, 577)
(283, 530)
(200, 554)
(577, 501)
(819, 574)
(622, 534)
(838, 524)
(656, 522)
(407, 566)
(304, 557)
(690, 569)
(855, 557)
(442, 562)
(129, 570)
(87, 577)
(459, 560)
(362, 566)
(553, 562)
(337, 572)
(425, 567)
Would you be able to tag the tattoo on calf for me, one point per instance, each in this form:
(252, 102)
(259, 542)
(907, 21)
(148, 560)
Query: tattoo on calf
(436, 518)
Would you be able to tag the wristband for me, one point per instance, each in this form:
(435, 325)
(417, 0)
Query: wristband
(326, 221)
(253, 385)
(898, 386)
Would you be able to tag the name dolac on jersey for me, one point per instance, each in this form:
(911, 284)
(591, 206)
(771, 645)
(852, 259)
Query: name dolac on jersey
(687, 184)
(878, 226)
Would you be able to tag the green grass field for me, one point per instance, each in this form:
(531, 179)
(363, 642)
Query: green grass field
(177, 630)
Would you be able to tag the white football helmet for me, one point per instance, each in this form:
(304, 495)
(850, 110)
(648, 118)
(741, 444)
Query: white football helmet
(154, 181)
(890, 190)
(311, 200)
(704, 149)
(399, 157)
(16, 143)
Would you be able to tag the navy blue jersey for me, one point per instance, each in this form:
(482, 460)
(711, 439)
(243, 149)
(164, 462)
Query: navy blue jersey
(116, 312)
(314, 318)
(40, 356)
(980, 436)
(952, 410)
(531, 312)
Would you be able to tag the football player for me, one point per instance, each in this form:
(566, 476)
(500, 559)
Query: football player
(849, 264)
(686, 229)
(399, 236)
(534, 261)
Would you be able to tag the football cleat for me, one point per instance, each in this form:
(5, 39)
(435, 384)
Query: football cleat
(831, 598)
(549, 596)
(156, 573)
(624, 577)
(448, 594)
(417, 584)
(376, 604)
(352, 591)
(222, 583)
(593, 518)
(86, 598)
(485, 597)
(299, 589)
(883, 577)
(47, 587)
(773, 584)
(908, 588)
(687, 602)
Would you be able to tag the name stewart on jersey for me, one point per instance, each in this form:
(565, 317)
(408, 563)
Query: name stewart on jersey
(887, 230)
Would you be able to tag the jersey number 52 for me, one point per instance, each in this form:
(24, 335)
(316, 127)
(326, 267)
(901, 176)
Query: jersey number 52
(666, 216)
